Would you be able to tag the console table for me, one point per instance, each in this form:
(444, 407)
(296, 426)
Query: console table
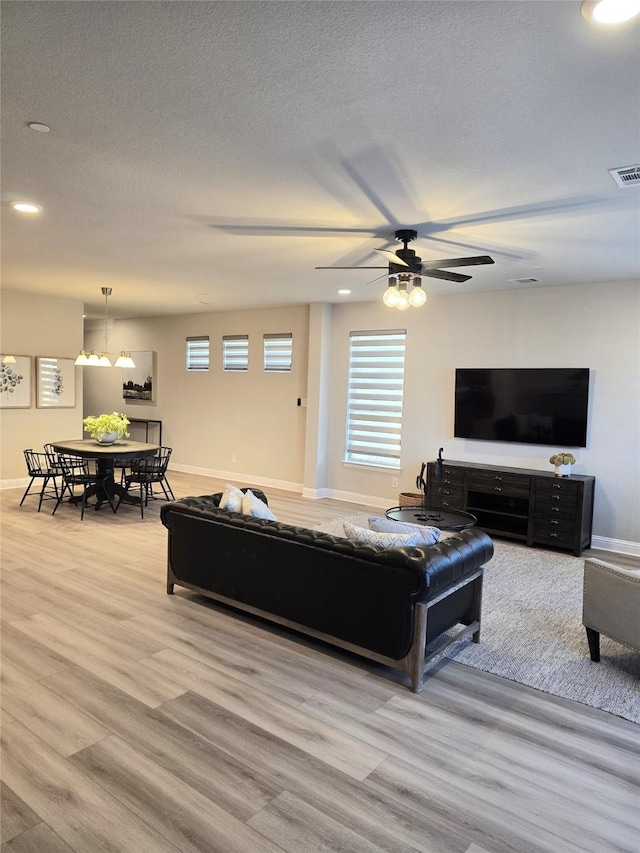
(533, 507)
(147, 422)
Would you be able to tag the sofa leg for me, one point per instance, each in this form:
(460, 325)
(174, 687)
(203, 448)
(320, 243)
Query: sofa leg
(593, 638)
(416, 658)
(169, 588)
(476, 607)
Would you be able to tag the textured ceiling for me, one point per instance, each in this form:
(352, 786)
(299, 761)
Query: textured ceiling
(228, 148)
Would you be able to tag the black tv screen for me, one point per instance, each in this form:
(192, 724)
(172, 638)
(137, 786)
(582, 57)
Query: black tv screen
(526, 405)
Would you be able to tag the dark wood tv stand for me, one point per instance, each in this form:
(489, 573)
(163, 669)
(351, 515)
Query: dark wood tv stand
(533, 507)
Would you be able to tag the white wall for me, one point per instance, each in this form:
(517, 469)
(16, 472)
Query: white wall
(227, 424)
(36, 325)
(210, 418)
(595, 326)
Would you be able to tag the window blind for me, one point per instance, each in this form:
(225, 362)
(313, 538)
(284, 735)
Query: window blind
(235, 353)
(375, 397)
(278, 350)
(198, 353)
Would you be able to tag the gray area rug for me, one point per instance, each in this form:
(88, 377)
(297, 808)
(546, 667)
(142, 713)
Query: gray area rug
(532, 630)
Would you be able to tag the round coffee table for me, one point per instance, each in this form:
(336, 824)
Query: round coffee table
(444, 519)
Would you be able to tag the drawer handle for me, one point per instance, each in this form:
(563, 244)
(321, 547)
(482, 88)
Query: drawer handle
(497, 489)
(445, 503)
(555, 535)
(555, 509)
(497, 478)
(555, 497)
(446, 492)
(556, 485)
(554, 521)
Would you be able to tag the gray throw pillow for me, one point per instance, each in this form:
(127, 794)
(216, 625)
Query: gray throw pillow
(426, 535)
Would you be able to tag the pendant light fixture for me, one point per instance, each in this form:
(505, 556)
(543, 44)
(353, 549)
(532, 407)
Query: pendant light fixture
(124, 360)
(101, 359)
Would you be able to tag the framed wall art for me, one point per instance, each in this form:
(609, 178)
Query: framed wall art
(15, 382)
(139, 382)
(56, 382)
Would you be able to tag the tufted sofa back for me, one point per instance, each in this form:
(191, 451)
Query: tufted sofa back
(361, 594)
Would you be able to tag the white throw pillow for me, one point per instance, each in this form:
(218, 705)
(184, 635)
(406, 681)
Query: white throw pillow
(231, 498)
(252, 505)
(428, 535)
(383, 540)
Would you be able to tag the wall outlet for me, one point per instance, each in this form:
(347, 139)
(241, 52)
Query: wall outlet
(234, 458)
(394, 482)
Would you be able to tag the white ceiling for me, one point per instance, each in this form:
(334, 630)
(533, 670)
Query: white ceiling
(186, 137)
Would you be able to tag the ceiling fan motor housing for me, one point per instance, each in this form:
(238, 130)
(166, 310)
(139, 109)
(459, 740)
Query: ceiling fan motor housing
(406, 235)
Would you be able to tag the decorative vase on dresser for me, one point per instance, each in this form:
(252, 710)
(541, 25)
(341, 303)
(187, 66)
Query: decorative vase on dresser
(562, 470)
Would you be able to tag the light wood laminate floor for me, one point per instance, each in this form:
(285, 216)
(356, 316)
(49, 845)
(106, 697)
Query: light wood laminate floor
(136, 721)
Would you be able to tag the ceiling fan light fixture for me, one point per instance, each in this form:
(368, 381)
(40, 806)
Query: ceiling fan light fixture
(610, 11)
(417, 297)
(403, 297)
(390, 296)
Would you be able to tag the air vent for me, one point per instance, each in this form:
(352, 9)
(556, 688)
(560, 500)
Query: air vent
(627, 176)
(523, 280)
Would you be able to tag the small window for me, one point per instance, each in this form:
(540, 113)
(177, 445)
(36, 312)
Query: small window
(198, 353)
(235, 353)
(278, 350)
(374, 408)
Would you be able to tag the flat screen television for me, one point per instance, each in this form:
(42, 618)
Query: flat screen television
(527, 405)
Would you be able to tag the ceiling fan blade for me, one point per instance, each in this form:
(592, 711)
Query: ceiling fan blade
(349, 268)
(392, 257)
(445, 276)
(383, 277)
(458, 262)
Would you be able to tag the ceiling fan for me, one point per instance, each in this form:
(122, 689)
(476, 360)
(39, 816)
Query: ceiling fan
(404, 261)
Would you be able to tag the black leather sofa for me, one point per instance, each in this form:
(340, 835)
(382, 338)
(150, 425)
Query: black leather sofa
(386, 605)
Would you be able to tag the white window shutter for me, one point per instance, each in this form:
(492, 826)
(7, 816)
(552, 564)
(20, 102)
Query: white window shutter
(235, 353)
(278, 353)
(198, 353)
(375, 397)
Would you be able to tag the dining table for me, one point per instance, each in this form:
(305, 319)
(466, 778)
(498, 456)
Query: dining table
(105, 456)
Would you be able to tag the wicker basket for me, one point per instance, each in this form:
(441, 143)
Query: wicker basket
(411, 499)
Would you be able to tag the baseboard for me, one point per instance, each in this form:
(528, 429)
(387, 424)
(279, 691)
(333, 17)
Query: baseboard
(354, 498)
(18, 483)
(315, 494)
(235, 478)
(618, 546)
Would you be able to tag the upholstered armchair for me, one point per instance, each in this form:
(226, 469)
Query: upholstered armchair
(610, 604)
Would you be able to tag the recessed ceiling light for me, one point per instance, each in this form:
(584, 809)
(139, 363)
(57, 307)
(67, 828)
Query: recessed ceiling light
(39, 126)
(344, 292)
(26, 206)
(610, 11)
